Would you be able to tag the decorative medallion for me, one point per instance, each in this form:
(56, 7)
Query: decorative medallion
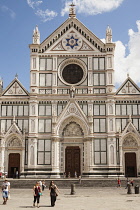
(72, 42)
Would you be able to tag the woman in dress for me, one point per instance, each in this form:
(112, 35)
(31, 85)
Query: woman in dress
(53, 192)
(37, 193)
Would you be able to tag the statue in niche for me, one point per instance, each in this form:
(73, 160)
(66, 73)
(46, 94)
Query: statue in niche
(72, 129)
(72, 91)
(129, 141)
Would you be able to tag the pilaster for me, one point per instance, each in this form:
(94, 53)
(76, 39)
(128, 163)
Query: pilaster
(55, 158)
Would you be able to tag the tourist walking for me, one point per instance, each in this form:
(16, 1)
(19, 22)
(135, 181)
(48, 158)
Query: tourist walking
(43, 185)
(53, 192)
(37, 193)
(5, 191)
(119, 183)
(127, 183)
(132, 182)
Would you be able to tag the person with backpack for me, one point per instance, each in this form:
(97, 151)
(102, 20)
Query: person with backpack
(37, 192)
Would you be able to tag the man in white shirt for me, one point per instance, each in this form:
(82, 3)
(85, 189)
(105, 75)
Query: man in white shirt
(5, 190)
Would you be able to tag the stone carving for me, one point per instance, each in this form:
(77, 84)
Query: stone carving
(72, 41)
(129, 88)
(130, 142)
(130, 129)
(85, 47)
(14, 142)
(58, 47)
(15, 89)
(72, 129)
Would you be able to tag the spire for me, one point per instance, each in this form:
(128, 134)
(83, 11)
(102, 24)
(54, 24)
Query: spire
(36, 36)
(72, 10)
(108, 35)
(1, 85)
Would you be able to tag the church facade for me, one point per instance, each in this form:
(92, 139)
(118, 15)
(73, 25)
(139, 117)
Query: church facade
(72, 121)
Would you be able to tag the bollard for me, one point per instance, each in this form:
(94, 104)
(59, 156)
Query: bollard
(129, 191)
(136, 189)
(72, 189)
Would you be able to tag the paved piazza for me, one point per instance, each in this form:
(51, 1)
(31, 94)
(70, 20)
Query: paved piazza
(84, 199)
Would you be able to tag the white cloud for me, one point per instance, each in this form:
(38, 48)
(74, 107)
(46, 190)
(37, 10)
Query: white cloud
(46, 15)
(92, 7)
(128, 64)
(10, 12)
(34, 3)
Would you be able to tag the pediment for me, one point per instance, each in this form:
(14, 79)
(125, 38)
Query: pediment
(72, 109)
(72, 113)
(15, 89)
(130, 128)
(72, 35)
(13, 130)
(128, 88)
(73, 41)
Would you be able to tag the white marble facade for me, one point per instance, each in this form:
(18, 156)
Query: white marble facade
(71, 119)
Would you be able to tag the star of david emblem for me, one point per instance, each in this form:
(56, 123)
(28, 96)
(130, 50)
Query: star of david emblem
(72, 42)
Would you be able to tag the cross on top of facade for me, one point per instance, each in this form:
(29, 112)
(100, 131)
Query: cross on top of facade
(16, 76)
(72, 10)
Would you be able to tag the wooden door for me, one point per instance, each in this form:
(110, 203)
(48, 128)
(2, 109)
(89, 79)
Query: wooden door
(14, 165)
(130, 164)
(72, 161)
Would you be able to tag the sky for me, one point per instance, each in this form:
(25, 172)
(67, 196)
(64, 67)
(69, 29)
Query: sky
(18, 19)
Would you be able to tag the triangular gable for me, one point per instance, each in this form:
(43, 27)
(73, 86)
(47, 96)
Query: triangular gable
(71, 24)
(72, 108)
(14, 130)
(128, 88)
(130, 128)
(72, 113)
(15, 89)
(73, 41)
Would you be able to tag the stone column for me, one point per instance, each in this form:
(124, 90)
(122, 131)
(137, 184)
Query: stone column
(55, 158)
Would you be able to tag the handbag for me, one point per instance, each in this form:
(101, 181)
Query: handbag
(40, 193)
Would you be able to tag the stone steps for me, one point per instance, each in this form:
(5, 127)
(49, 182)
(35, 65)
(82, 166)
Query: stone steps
(66, 183)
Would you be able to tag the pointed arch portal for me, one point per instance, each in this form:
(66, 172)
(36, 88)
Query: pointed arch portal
(130, 164)
(72, 161)
(13, 165)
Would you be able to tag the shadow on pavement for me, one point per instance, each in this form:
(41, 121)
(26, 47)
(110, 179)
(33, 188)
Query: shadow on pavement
(32, 206)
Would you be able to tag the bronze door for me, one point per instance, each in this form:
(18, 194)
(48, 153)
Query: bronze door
(14, 165)
(72, 161)
(130, 164)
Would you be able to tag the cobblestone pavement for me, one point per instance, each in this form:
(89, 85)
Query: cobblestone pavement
(84, 199)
